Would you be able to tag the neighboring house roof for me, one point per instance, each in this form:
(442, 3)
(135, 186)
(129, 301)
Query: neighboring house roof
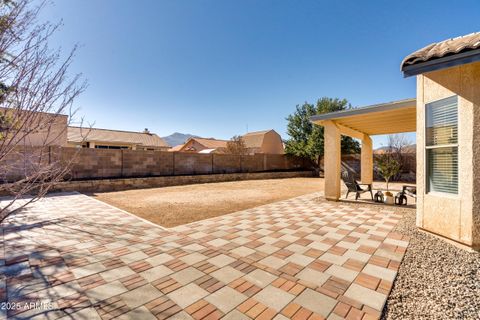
(255, 139)
(464, 49)
(78, 134)
(176, 148)
(23, 111)
(210, 143)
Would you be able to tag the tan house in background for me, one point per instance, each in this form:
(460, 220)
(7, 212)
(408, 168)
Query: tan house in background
(203, 145)
(267, 141)
(52, 133)
(176, 148)
(50, 129)
(114, 139)
(446, 118)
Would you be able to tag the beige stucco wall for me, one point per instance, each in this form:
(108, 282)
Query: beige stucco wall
(452, 216)
(55, 135)
(366, 162)
(272, 143)
(332, 160)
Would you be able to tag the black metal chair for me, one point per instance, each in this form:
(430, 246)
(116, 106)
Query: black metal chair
(354, 186)
(410, 190)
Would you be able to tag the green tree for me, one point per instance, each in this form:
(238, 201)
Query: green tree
(388, 166)
(306, 139)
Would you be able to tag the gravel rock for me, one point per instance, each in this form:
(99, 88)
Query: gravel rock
(436, 280)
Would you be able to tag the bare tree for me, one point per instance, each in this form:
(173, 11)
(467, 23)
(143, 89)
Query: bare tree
(236, 145)
(36, 97)
(399, 143)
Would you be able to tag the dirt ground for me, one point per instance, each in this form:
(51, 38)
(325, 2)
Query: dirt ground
(173, 206)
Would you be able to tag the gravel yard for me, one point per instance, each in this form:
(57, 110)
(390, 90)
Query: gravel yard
(173, 206)
(436, 280)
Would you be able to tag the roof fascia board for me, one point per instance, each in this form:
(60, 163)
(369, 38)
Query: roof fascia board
(362, 110)
(441, 63)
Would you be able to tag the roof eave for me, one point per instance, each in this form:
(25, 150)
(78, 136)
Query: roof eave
(363, 110)
(441, 63)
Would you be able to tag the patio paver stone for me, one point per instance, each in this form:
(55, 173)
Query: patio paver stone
(295, 259)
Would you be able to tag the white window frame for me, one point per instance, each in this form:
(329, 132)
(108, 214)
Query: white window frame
(451, 145)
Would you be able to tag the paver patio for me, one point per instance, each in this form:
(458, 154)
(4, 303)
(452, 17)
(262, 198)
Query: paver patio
(301, 259)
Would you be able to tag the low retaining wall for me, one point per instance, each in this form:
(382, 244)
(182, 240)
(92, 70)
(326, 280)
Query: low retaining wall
(106, 185)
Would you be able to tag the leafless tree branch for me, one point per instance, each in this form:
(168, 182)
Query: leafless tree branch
(36, 97)
(237, 146)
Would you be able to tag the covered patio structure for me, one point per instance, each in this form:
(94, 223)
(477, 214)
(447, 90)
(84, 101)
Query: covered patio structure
(361, 123)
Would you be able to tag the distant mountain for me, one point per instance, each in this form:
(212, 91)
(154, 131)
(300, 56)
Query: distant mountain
(177, 138)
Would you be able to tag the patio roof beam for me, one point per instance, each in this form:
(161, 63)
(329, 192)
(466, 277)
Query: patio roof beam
(405, 118)
(347, 131)
(377, 108)
(387, 118)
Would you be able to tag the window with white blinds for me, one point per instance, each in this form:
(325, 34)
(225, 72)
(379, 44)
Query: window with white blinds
(442, 145)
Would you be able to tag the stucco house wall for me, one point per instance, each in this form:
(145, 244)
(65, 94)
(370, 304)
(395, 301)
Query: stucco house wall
(267, 141)
(54, 135)
(455, 216)
(272, 143)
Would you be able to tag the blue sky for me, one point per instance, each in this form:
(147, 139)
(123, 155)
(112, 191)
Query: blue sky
(212, 68)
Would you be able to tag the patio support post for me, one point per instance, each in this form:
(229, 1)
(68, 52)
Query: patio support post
(367, 159)
(332, 160)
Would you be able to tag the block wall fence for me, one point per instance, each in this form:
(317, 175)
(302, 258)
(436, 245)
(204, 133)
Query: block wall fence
(91, 164)
(87, 164)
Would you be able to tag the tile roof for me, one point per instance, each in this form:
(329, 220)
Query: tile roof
(443, 48)
(78, 134)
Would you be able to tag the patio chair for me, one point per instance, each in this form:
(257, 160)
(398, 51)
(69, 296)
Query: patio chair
(354, 186)
(410, 190)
